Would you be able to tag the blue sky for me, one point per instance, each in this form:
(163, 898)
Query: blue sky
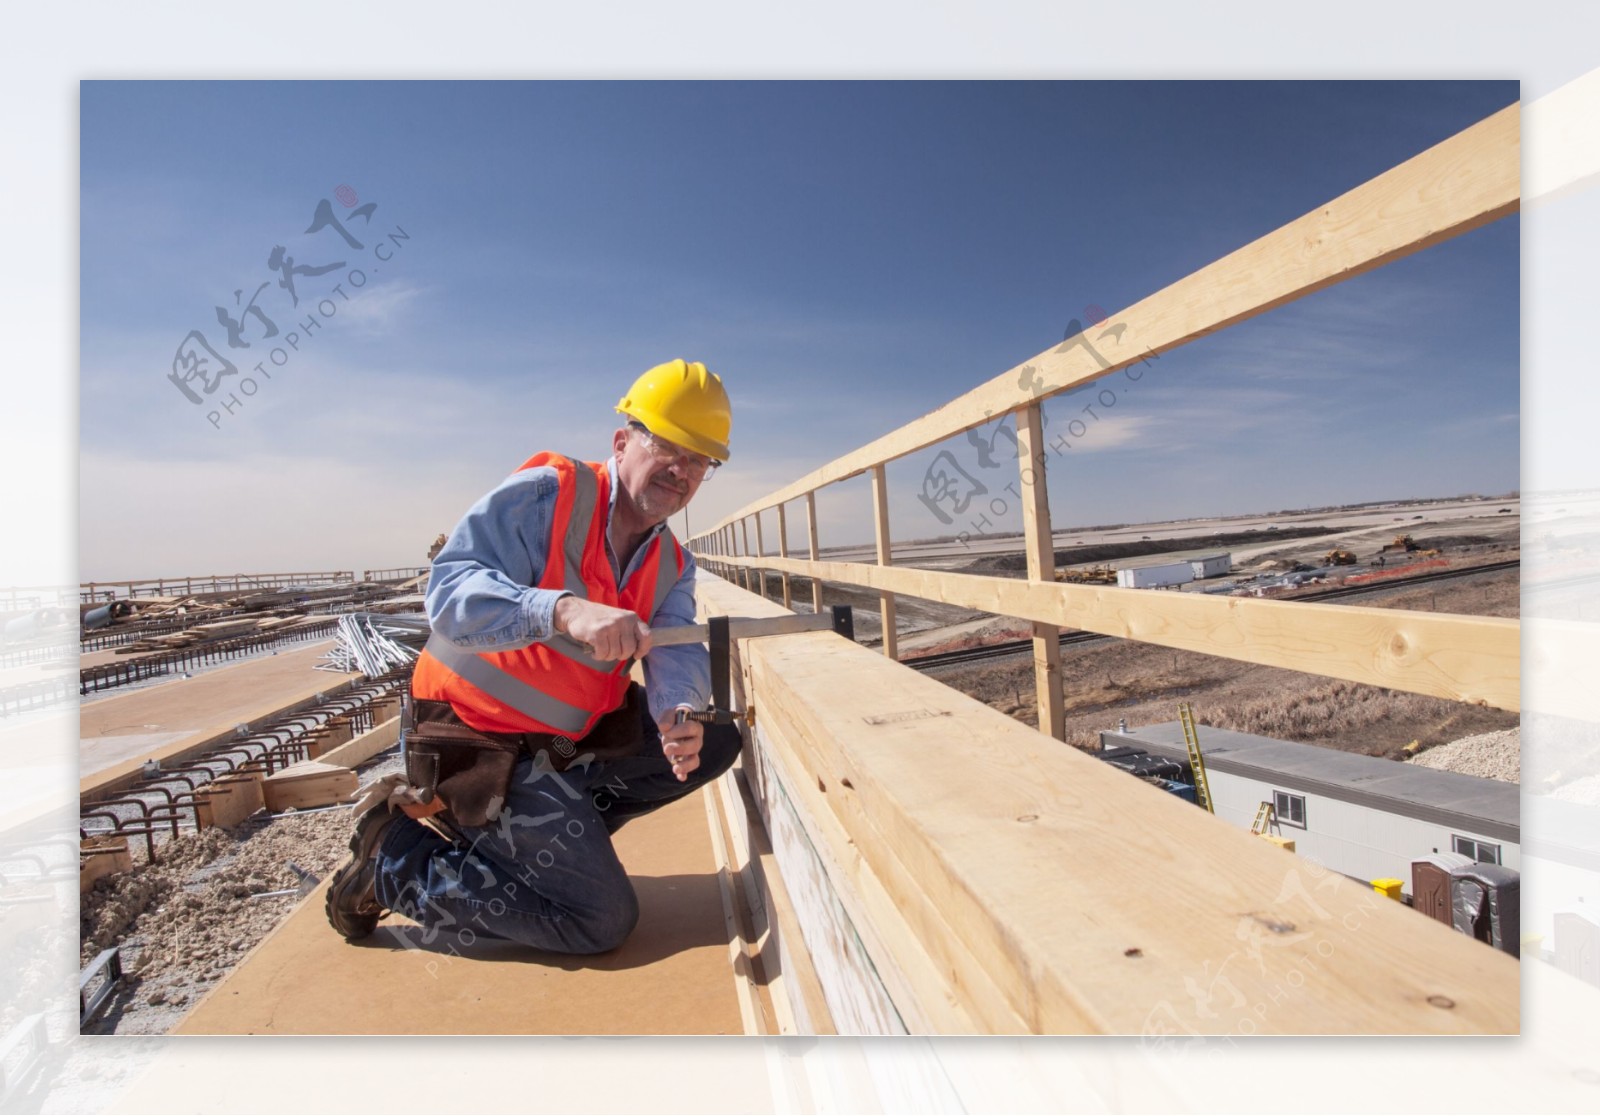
(848, 256)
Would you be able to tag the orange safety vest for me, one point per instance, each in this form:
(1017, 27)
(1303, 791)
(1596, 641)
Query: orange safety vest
(555, 686)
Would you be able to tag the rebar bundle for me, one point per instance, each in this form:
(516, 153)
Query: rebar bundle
(375, 644)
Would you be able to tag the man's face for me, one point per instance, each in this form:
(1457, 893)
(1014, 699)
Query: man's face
(656, 475)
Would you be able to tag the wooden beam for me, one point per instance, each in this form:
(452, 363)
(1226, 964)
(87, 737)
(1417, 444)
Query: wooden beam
(880, 521)
(229, 800)
(811, 540)
(1464, 182)
(789, 968)
(99, 857)
(993, 874)
(761, 548)
(362, 748)
(1089, 901)
(755, 1005)
(746, 571)
(308, 784)
(783, 552)
(1039, 546)
(1474, 659)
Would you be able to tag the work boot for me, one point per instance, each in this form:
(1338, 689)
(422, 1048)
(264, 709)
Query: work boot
(353, 907)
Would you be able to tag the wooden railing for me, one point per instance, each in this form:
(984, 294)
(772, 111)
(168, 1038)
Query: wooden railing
(188, 585)
(1458, 185)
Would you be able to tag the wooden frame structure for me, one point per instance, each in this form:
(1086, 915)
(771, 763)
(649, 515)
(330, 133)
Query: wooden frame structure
(953, 871)
(1458, 185)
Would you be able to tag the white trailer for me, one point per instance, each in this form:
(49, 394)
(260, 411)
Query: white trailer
(1211, 565)
(1157, 576)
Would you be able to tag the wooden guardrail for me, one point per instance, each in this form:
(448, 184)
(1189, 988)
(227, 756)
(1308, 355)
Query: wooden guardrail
(1460, 184)
(188, 585)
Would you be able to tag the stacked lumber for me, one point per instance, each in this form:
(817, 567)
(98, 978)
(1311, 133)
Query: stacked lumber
(953, 871)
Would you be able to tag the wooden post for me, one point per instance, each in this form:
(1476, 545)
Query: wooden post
(761, 549)
(783, 552)
(744, 533)
(1039, 545)
(811, 537)
(880, 500)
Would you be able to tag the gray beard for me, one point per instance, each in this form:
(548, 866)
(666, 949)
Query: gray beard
(656, 505)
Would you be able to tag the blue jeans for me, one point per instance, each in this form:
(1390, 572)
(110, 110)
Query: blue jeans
(544, 872)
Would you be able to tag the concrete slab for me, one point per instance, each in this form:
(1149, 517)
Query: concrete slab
(170, 718)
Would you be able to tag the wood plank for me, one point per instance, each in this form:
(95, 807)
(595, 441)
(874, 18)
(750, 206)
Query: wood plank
(755, 1010)
(786, 963)
(853, 986)
(1039, 546)
(99, 857)
(745, 571)
(308, 784)
(761, 548)
(811, 540)
(358, 750)
(936, 984)
(880, 521)
(1065, 876)
(670, 976)
(783, 552)
(1457, 185)
(227, 801)
(1463, 658)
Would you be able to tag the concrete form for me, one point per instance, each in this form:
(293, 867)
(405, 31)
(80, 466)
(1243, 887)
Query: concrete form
(173, 719)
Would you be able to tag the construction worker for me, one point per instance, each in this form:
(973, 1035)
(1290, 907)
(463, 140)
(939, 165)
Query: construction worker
(525, 741)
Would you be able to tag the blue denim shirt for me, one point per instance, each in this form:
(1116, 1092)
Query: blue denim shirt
(479, 596)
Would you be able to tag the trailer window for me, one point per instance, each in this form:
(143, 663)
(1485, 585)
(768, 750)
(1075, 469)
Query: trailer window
(1481, 851)
(1289, 808)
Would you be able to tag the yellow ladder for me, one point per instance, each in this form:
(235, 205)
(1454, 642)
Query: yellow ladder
(1264, 819)
(1202, 789)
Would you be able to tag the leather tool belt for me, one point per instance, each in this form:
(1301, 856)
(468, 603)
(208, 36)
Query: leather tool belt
(470, 771)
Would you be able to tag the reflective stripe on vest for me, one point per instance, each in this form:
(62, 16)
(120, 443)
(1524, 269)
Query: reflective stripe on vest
(513, 678)
(508, 688)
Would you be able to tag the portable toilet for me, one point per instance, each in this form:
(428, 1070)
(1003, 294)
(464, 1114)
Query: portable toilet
(1430, 884)
(1486, 902)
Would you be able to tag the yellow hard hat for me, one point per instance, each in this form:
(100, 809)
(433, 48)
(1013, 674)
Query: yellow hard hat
(683, 403)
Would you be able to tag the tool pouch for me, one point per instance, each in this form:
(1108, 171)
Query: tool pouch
(468, 770)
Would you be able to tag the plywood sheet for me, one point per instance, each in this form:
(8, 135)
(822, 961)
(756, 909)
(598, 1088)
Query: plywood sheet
(672, 977)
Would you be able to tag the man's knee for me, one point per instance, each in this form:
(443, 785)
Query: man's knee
(606, 927)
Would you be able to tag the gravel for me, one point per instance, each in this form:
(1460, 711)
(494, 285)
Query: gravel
(1489, 755)
(184, 922)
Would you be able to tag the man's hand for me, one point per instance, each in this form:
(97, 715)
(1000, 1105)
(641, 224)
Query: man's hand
(614, 633)
(681, 744)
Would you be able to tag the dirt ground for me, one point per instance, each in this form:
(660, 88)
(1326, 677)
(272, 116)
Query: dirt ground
(1110, 680)
(186, 921)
